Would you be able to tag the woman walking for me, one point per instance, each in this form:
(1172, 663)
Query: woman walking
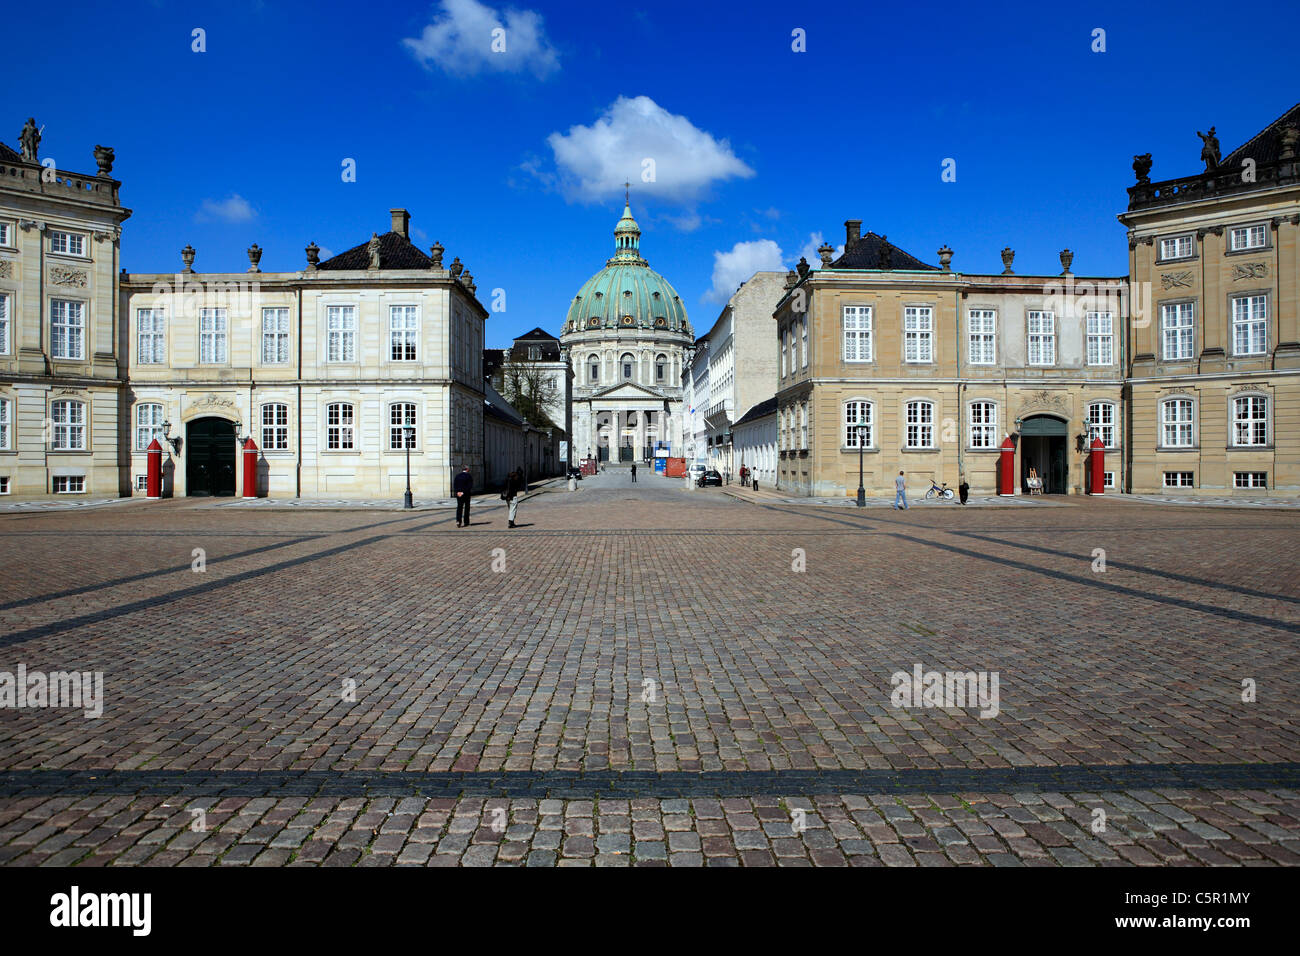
(514, 487)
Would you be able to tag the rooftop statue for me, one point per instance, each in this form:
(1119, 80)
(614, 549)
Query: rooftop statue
(1210, 151)
(30, 138)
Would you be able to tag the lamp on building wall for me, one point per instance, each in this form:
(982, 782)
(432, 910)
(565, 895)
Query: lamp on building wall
(235, 427)
(862, 444)
(1081, 441)
(174, 441)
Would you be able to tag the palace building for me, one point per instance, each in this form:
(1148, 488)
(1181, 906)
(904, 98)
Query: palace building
(891, 364)
(324, 369)
(1214, 370)
(626, 333)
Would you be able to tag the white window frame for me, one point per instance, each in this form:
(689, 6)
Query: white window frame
(6, 422)
(1099, 328)
(857, 333)
(852, 418)
(661, 367)
(1250, 323)
(1178, 479)
(919, 418)
(1247, 235)
(1254, 425)
(593, 367)
(147, 431)
(340, 426)
(276, 335)
(1177, 240)
(396, 430)
(982, 431)
(1108, 479)
(68, 421)
(6, 233)
(918, 334)
(982, 336)
(275, 427)
(1103, 428)
(151, 336)
(803, 426)
(803, 350)
(4, 484)
(341, 333)
(1177, 327)
(1177, 426)
(214, 336)
(403, 333)
(68, 327)
(71, 484)
(1040, 337)
(73, 243)
(627, 365)
(1249, 480)
(6, 312)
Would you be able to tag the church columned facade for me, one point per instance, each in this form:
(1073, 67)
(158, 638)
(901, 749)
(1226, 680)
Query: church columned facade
(627, 335)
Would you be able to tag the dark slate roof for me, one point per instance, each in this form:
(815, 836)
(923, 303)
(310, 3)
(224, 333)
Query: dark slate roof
(501, 414)
(537, 333)
(758, 411)
(395, 252)
(493, 359)
(8, 155)
(865, 254)
(1266, 145)
(549, 349)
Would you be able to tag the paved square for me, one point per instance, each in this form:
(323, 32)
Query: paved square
(642, 675)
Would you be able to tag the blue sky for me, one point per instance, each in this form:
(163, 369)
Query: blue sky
(509, 158)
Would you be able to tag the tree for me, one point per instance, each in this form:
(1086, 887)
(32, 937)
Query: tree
(531, 388)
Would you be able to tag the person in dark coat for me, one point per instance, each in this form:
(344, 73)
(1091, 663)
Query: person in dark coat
(963, 489)
(634, 472)
(514, 488)
(461, 486)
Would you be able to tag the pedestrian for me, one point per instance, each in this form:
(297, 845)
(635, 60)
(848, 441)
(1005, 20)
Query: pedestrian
(462, 485)
(900, 491)
(963, 490)
(514, 488)
(753, 483)
(634, 473)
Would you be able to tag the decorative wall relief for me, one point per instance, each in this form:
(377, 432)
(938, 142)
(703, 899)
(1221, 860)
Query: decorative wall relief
(63, 275)
(1249, 270)
(1173, 280)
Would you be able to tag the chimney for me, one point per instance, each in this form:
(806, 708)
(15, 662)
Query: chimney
(852, 232)
(401, 222)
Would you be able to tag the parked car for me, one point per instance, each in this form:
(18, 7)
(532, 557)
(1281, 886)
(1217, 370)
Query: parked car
(575, 473)
(710, 477)
(697, 470)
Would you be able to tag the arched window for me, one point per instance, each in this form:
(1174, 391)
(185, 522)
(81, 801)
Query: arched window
(1176, 423)
(1250, 420)
(661, 366)
(858, 424)
(983, 425)
(401, 414)
(69, 418)
(920, 424)
(338, 426)
(275, 427)
(628, 364)
(1101, 423)
(148, 425)
(593, 364)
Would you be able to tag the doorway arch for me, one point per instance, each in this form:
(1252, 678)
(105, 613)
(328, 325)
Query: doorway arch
(210, 453)
(1043, 449)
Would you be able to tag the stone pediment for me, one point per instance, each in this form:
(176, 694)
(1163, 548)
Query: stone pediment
(628, 390)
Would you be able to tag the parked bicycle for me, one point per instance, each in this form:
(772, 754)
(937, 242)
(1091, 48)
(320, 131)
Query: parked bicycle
(939, 491)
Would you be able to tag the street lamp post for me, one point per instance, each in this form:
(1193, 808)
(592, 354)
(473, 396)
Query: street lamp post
(862, 491)
(409, 431)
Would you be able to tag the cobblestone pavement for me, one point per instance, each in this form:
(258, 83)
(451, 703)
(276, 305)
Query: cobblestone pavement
(642, 675)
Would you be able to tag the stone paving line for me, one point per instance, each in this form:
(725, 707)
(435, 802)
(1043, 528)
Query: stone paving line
(1144, 828)
(523, 691)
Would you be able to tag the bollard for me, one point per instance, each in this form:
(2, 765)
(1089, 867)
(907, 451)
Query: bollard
(250, 469)
(153, 481)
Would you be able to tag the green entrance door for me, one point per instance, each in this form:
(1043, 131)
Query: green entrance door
(1043, 454)
(210, 458)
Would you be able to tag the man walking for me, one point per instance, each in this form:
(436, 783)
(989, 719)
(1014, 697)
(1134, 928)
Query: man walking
(900, 492)
(634, 473)
(461, 486)
(514, 487)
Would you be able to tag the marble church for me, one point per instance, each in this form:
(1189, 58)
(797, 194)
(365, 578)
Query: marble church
(627, 336)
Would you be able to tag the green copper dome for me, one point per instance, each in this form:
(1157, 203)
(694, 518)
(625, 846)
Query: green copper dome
(627, 293)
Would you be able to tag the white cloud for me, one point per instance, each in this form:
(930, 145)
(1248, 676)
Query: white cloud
(461, 41)
(234, 208)
(596, 159)
(732, 268)
(809, 250)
